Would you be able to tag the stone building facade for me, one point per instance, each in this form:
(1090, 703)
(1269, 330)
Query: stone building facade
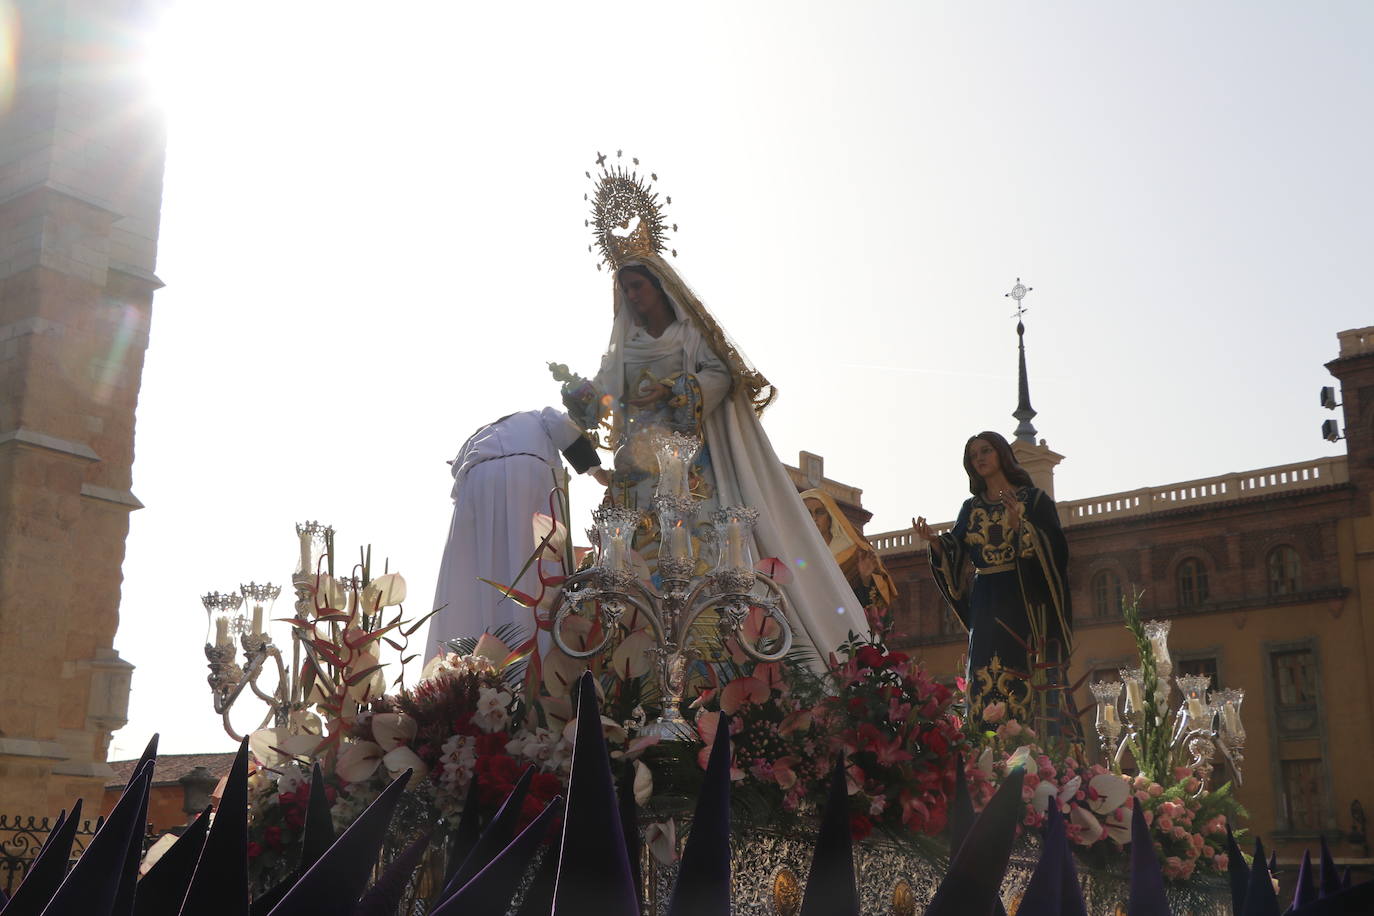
(81, 162)
(1268, 579)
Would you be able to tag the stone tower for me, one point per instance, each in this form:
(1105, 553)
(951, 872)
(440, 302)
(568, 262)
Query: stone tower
(81, 159)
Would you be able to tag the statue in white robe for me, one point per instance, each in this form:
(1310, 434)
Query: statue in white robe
(502, 476)
(690, 375)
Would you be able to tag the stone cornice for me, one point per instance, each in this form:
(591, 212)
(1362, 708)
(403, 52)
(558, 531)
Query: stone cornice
(28, 747)
(65, 191)
(137, 273)
(34, 439)
(124, 498)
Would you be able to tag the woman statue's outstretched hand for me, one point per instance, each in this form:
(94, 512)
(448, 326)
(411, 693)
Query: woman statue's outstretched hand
(1013, 507)
(924, 533)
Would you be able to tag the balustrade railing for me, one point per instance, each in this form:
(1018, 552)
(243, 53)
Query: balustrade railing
(1148, 500)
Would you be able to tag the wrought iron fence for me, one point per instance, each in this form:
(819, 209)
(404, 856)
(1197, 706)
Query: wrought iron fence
(22, 837)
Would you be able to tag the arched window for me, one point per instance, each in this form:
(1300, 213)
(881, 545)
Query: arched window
(1106, 593)
(1284, 569)
(1192, 583)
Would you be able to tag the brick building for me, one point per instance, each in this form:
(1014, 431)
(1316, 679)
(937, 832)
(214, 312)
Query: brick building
(81, 161)
(1268, 578)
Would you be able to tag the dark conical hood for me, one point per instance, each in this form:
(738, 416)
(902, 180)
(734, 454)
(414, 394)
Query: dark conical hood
(464, 838)
(492, 889)
(338, 878)
(830, 887)
(162, 889)
(972, 886)
(1260, 899)
(538, 899)
(315, 839)
(1304, 889)
(48, 869)
(961, 813)
(219, 886)
(593, 872)
(1147, 881)
(703, 878)
(1237, 871)
(383, 897)
(92, 887)
(1351, 901)
(1053, 889)
(128, 882)
(629, 824)
(1330, 879)
(495, 838)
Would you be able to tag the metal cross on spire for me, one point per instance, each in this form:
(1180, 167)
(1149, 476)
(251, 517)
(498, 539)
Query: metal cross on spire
(1024, 413)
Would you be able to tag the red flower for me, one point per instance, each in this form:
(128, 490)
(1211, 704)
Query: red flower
(859, 826)
(254, 850)
(544, 786)
(869, 657)
(494, 743)
(272, 836)
(897, 658)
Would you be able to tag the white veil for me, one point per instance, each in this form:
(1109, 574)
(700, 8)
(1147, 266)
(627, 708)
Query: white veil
(746, 468)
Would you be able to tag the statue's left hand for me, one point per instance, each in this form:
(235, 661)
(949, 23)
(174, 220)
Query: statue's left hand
(658, 393)
(1013, 506)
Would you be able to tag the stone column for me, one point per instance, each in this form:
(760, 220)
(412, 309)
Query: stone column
(81, 156)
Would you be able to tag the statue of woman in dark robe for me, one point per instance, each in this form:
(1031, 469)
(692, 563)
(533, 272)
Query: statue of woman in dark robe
(1016, 609)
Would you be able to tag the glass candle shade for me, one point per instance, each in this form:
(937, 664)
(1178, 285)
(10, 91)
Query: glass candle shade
(676, 518)
(1157, 632)
(1228, 703)
(735, 537)
(311, 538)
(1135, 691)
(676, 453)
(615, 531)
(222, 618)
(260, 599)
(1194, 688)
(1107, 693)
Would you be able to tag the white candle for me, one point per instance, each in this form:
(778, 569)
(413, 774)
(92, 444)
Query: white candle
(1230, 718)
(672, 480)
(1134, 697)
(1109, 714)
(306, 565)
(257, 620)
(734, 544)
(615, 553)
(679, 542)
(1195, 711)
(222, 632)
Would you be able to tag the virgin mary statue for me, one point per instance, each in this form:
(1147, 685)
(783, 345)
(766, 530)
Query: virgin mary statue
(670, 368)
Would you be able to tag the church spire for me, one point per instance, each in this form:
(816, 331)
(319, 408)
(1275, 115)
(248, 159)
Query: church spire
(1025, 432)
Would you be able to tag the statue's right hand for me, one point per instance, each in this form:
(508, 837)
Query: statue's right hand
(924, 533)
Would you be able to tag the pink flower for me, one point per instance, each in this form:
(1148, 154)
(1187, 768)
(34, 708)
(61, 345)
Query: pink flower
(1009, 729)
(1165, 823)
(1182, 773)
(1178, 832)
(994, 713)
(1155, 789)
(1221, 862)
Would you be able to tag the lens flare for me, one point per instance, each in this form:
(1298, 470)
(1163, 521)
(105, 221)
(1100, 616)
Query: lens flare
(9, 44)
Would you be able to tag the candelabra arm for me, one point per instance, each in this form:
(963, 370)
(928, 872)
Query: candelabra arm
(571, 599)
(779, 614)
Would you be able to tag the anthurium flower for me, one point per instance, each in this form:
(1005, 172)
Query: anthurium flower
(740, 691)
(644, 783)
(1090, 829)
(1107, 793)
(393, 729)
(275, 746)
(359, 761)
(546, 526)
(384, 591)
(662, 841)
(401, 759)
(775, 569)
(633, 658)
(491, 648)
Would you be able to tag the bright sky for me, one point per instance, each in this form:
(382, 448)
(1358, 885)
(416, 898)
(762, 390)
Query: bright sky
(372, 242)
